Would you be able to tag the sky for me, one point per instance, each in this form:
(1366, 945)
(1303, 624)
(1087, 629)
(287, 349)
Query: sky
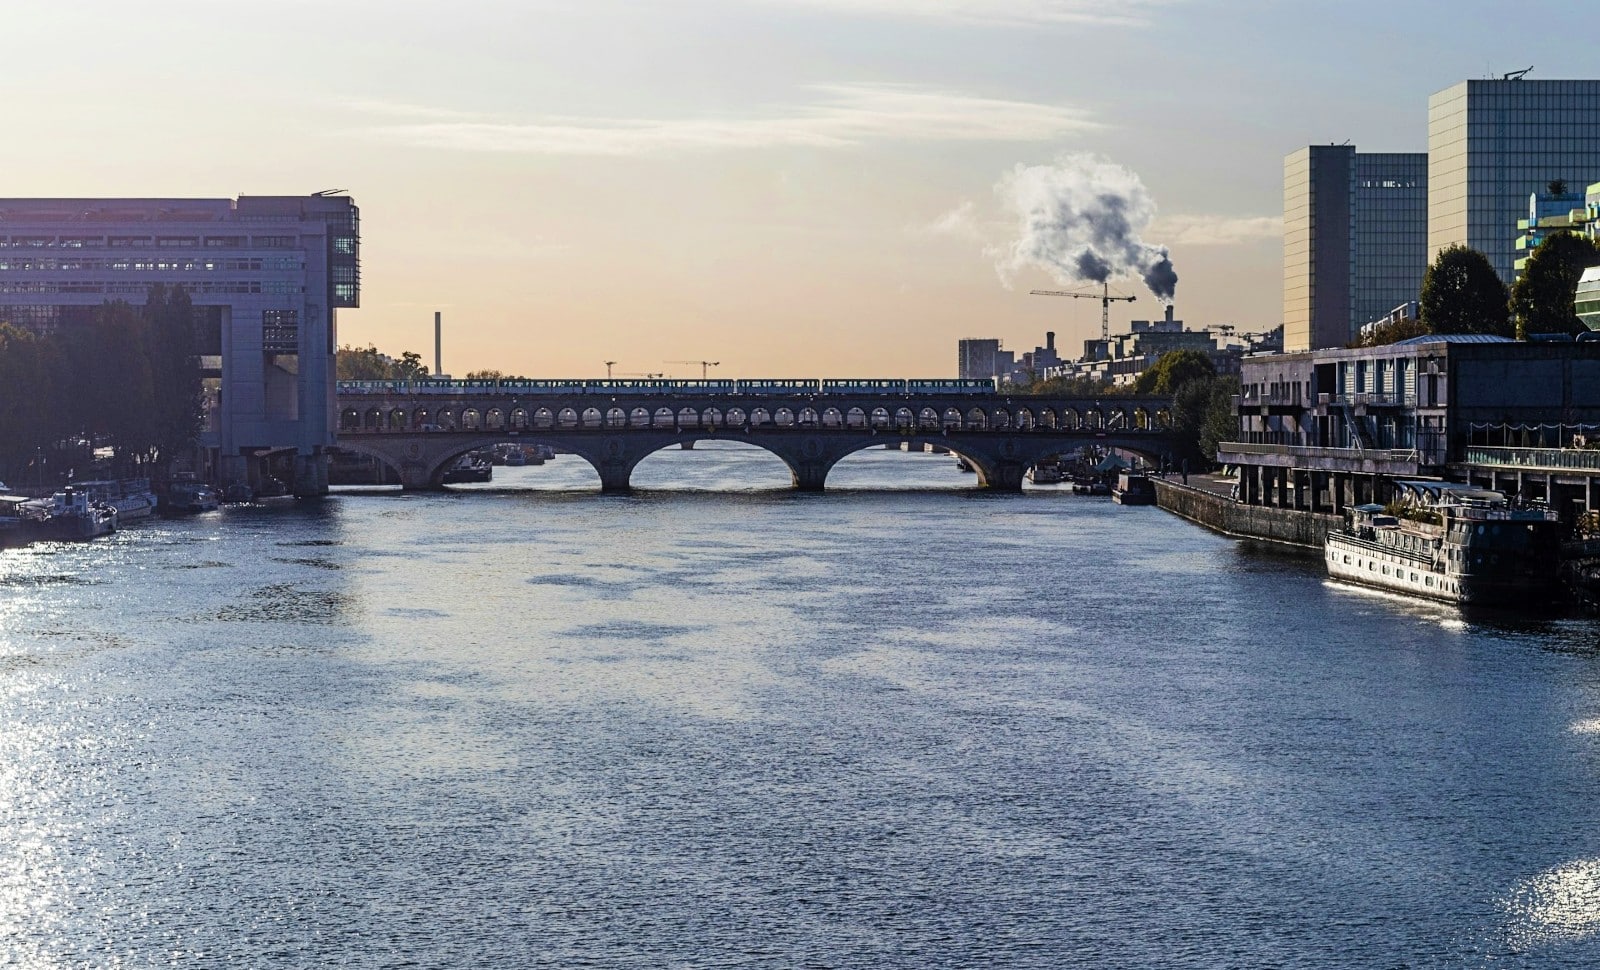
(790, 188)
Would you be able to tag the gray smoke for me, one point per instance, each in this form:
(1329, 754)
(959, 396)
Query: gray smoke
(1080, 221)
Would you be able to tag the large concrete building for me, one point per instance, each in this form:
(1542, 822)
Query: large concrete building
(1354, 240)
(1324, 430)
(266, 274)
(1490, 144)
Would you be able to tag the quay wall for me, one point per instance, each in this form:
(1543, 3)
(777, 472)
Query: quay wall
(1222, 514)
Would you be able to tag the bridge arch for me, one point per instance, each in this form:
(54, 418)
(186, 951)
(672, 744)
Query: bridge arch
(544, 418)
(616, 418)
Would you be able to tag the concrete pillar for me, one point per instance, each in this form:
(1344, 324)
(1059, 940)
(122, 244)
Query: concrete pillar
(809, 476)
(310, 475)
(614, 477)
(1002, 476)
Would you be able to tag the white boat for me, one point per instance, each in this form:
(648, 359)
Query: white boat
(68, 514)
(1047, 472)
(1448, 542)
(132, 498)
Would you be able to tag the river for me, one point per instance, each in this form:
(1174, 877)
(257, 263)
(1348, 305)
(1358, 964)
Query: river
(897, 724)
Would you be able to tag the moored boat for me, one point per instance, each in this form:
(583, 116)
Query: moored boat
(131, 497)
(185, 498)
(1454, 543)
(1046, 472)
(70, 514)
(1133, 488)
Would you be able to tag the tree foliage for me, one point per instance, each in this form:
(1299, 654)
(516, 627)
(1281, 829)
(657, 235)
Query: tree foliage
(1172, 370)
(128, 379)
(1461, 293)
(1541, 299)
(369, 364)
(1391, 332)
(1081, 385)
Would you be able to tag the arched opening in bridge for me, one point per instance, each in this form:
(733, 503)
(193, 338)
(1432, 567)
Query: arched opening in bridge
(896, 467)
(539, 467)
(616, 418)
(591, 417)
(713, 465)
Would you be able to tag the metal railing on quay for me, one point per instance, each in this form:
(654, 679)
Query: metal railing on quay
(1574, 459)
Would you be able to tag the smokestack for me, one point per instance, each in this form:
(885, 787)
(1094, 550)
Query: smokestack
(1049, 340)
(438, 341)
(1169, 313)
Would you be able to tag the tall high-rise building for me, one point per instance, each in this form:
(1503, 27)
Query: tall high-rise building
(1493, 143)
(1354, 240)
(978, 358)
(265, 274)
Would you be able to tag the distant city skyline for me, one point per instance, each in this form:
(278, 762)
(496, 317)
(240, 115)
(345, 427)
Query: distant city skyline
(787, 186)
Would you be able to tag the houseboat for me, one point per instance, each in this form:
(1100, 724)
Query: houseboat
(1133, 488)
(1045, 472)
(1454, 543)
(131, 497)
(70, 514)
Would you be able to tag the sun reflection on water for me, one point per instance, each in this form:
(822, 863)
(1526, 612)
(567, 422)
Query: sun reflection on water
(1560, 904)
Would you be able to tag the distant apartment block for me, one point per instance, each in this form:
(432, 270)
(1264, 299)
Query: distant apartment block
(265, 273)
(1355, 240)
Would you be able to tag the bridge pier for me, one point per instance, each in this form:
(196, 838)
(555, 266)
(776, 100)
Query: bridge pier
(1002, 476)
(614, 477)
(810, 476)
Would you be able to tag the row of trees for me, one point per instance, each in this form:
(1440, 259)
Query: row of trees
(1461, 293)
(129, 379)
(1202, 399)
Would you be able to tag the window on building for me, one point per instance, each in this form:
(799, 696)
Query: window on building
(280, 331)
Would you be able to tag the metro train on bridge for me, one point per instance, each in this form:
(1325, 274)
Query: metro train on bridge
(747, 388)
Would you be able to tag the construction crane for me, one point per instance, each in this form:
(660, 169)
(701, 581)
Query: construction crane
(1104, 296)
(705, 365)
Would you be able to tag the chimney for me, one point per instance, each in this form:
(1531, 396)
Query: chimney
(438, 342)
(1050, 340)
(1169, 313)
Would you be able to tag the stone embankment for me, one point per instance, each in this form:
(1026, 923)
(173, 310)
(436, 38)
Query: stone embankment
(1207, 504)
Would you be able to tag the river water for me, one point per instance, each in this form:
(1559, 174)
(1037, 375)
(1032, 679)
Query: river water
(898, 724)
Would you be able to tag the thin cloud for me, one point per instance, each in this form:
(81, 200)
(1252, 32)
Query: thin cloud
(401, 109)
(843, 116)
(1000, 13)
(1213, 230)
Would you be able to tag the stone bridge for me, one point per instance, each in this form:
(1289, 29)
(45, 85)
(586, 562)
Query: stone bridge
(421, 436)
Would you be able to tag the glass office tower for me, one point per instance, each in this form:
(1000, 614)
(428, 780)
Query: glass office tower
(1491, 144)
(1354, 240)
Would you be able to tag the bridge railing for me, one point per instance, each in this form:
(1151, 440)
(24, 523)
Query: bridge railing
(744, 387)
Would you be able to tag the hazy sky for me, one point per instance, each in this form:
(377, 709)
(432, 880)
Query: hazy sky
(790, 187)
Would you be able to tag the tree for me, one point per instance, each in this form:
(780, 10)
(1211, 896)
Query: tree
(1461, 293)
(1391, 332)
(484, 375)
(178, 406)
(1174, 369)
(368, 364)
(1541, 300)
(1221, 420)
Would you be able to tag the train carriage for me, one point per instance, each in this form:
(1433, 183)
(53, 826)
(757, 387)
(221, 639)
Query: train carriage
(951, 385)
(778, 386)
(864, 386)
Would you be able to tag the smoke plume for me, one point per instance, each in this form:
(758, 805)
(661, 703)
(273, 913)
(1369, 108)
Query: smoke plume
(1080, 220)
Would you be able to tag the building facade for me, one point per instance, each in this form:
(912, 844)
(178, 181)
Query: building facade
(1324, 430)
(1492, 143)
(265, 274)
(1354, 240)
